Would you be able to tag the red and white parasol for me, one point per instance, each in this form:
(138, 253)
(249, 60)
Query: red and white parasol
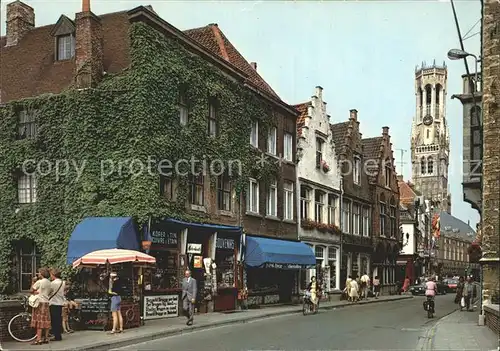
(113, 256)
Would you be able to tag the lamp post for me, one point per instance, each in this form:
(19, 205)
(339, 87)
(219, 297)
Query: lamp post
(457, 54)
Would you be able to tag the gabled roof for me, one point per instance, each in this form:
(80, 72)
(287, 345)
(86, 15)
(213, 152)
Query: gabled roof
(339, 131)
(302, 108)
(406, 193)
(371, 147)
(212, 38)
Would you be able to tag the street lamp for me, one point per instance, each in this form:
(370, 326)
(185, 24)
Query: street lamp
(457, 54)
(407, 238)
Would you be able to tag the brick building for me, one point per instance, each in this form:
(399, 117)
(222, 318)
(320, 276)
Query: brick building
(88, 52)
(384, 192)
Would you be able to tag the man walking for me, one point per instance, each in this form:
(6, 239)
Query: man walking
(467, 293)
(365, 285)
(189, 291)
(56, 302)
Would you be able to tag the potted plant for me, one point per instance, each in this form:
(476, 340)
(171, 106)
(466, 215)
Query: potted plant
(475, 252)
(325, 166)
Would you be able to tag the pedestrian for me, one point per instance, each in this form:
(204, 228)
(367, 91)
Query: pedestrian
(460, 290)
(365, 284)
(115, 290)
(189, 291)
(354, 290)
(40, 318)
(313, 289)
(56, 302)
(467, 293)
(347, 289)
(376, 286)
(406, 285)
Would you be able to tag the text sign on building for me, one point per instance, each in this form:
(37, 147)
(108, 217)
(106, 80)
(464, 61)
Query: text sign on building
(193, 248)
(163, 306)
(225, 244)
(161, 237)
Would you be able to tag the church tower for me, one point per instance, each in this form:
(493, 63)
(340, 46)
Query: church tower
(430, 140)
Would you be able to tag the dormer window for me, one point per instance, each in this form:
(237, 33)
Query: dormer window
(65, 47)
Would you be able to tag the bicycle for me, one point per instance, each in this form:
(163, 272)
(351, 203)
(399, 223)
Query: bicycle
(20, 325)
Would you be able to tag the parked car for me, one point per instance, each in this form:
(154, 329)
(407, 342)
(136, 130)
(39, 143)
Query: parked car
(451, 285)
(419, 289)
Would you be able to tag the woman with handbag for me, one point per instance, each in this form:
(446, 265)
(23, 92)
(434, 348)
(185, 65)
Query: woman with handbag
(40, 319)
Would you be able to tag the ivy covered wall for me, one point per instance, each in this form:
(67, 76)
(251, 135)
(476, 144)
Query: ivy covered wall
(131, 116)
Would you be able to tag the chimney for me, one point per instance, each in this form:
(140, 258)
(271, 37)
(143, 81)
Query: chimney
(400, 177)
(353, 114)
(254, 65)
(20, 20)
(88, 48)
(385, 131)
(319, 92)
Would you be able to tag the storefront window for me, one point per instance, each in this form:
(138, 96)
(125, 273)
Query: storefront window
(355, 265)
(364, 265)
(332, 263)
(165, 276)
(225, 261)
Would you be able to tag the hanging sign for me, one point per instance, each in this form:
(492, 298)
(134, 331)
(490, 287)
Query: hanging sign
(198, 262)
(194, 248)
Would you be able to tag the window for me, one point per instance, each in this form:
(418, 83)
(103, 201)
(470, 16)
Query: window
(224, 193)
(394, 228)
(272, 199)
(356, 219)
(27, 124)
(29, 260)
(332, 209)
(319, 152)
(271, 141)
(332, 263)
(212, 118)
(253, 196)
(305, 202)
(428, 133)
(382, 218)
(430, 165)
(65, 47)
(289, 203)
(357, 170)
(197, 190)
(319, 252)
(26, 189)
(183, 107)
(387, 173)
(166, 187)
(366, 222)
(422, 166)
(288, 147)
(254, 134)
(346, 216)
(318, 206)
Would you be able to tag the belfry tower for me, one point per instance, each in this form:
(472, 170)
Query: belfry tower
(430, 140)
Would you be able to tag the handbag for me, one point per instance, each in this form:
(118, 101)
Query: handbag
(462, 302)
(34, 301)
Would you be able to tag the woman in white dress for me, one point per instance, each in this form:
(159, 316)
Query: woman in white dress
(353, 293)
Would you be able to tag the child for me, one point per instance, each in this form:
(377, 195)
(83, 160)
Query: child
(67, 307)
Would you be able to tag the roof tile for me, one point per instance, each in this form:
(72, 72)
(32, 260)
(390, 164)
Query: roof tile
(339, 131)
(303, 110)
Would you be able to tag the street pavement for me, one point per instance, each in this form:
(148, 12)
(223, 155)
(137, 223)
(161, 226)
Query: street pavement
(397, 325)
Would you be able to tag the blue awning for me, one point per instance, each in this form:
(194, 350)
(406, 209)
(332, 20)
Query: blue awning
(205, 227)
(274, 253)
(99, 233)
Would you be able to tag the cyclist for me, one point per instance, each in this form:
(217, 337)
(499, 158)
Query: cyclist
(431, 288)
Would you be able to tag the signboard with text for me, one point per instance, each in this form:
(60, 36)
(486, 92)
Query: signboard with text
(162, 306)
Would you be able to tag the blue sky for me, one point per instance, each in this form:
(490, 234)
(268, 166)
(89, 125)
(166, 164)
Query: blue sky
(363, 53)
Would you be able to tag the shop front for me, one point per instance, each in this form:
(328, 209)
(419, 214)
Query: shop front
(356, 258)
(327, 269)
(209, 251)
(272, 268)
(90, 287)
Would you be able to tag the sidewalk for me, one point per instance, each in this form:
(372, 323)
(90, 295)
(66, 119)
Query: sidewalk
(160, 328)
(460, 331)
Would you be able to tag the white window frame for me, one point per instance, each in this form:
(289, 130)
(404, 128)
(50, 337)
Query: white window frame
(356, 218)
(288, 201)
(26, 189)
(332, 209)
(65, 47)
(366, 221)
(254, 134)
(272, 196)
(346, 216)
(333, 273)
(213, 128)
(183, 108)
(305, 203)
(288, 147)
(272, 141)
(253, 185)
(357, 170)
(319, 206)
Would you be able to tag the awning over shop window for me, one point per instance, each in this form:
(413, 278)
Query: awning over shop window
(99, 233)
(274, 253)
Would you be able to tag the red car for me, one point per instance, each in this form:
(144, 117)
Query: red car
(451, 284)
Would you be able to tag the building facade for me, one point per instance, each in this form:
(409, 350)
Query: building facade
(92, 90)
(381, 171)
(319, 191)
(430, 140)
(356, 203)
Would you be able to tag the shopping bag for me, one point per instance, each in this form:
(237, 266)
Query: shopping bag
(462, 302)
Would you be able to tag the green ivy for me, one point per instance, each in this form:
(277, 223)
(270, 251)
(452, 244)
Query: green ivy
(132, 115)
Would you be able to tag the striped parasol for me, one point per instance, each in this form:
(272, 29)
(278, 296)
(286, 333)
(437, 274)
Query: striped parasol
(113, 256)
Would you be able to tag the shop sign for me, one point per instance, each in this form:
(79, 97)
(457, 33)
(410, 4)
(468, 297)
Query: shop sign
(198, 262)
(225, 244)
(194, 248)
(161, 237)
(162, 306)
(285, 266)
